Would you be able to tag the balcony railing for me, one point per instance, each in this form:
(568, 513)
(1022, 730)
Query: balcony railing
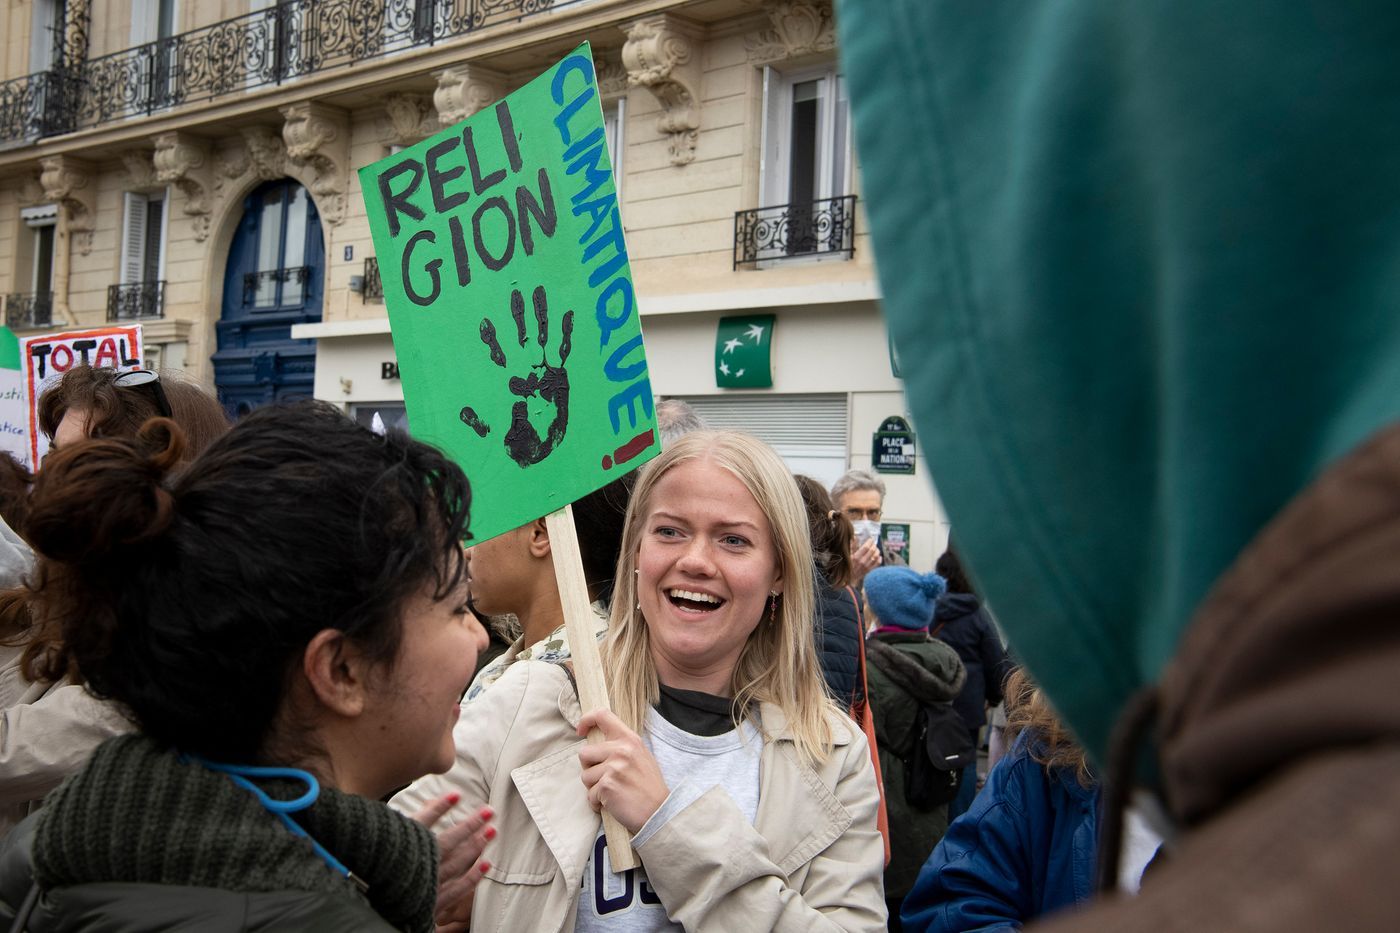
(288, 39)
(32, 310)
(275, 288)
(374, 285)
(135, 301)
(812, 228)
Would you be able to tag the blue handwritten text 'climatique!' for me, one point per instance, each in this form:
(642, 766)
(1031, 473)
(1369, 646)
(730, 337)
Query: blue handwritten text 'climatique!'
(604, 252)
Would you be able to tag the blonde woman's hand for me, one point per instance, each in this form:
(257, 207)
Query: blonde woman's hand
(619, 772)
(460, 866)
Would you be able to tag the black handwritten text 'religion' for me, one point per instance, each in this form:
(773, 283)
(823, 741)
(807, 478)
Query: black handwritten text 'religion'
(456, 171)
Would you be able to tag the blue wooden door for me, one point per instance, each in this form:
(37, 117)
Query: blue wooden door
(275, 278)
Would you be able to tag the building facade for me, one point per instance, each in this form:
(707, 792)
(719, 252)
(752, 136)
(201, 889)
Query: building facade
(192, 166)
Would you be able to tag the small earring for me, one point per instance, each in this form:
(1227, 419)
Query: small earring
(772, 608)
(638, 572)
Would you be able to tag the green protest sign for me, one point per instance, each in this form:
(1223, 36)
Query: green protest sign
(510, 299)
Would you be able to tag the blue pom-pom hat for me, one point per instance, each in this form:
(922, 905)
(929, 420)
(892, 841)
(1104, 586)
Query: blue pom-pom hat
(902, 597)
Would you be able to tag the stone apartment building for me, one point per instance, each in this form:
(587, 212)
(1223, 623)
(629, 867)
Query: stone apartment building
(192, 166)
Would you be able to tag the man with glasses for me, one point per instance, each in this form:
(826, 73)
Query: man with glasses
(860, 495)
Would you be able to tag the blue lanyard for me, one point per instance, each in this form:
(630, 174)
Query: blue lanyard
(282, 809)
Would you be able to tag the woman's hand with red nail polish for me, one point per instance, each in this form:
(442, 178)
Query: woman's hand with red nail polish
(460, 866)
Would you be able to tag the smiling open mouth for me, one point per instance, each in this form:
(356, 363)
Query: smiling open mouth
(691, 601)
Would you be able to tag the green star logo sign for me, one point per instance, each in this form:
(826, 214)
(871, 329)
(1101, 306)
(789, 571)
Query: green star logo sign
(743, 352)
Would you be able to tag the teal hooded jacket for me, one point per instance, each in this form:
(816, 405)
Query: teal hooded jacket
(1142, 260)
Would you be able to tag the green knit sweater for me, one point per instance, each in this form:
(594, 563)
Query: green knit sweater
(138, 813)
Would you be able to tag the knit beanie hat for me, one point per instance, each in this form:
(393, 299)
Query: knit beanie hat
(903, 597)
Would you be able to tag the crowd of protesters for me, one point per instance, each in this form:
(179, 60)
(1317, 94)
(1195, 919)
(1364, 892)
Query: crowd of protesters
(247, 638)
(235, 658)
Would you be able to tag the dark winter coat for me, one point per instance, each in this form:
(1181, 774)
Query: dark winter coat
(141, 839)
(906, 670)
(1025, 848)
(960, 620)
(838, 630)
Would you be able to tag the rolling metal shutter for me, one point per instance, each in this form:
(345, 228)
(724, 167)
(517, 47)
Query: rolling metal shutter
(810, 432)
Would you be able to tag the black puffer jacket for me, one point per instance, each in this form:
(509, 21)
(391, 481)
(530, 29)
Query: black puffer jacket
(960, 621)
(838, 631)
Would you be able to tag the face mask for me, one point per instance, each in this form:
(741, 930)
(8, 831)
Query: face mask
(866, 530)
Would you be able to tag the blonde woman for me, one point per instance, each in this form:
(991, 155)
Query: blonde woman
(750, 797)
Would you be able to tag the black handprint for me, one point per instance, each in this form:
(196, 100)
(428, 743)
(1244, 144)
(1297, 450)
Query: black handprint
(551, 383)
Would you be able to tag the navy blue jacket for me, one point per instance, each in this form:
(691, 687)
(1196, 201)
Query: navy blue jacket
(838, 631)
(960, 621)
(1025, 848)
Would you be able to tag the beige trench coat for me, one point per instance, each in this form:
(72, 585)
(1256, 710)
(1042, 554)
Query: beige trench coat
(812, 861)
(47, 731)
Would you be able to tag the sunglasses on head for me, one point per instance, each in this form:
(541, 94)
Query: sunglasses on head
(145, 379)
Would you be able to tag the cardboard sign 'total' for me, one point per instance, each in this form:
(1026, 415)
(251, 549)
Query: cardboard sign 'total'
(510, 298)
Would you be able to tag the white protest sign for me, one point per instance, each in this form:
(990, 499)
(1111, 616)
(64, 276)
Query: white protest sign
(14, 420)
(45, 358)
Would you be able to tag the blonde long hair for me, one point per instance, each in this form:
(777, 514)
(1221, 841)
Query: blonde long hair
(778, 664)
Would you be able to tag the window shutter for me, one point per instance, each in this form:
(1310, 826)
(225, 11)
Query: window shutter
(133, 237)
(810, 432)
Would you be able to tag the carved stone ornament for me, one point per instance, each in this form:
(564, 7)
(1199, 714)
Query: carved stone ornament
(267, 155)
(466, 89)
(611, 74)
(68, 182)
(229, 165)
(318, 152)
(796, 27)
(258, 153)
(183, 161)
(662, 55)
(408, 119)
(140, 172)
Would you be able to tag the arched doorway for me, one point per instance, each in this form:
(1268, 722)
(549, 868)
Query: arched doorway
(275, 278)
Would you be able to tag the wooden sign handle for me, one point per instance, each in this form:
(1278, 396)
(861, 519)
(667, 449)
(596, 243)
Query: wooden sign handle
(583, 647)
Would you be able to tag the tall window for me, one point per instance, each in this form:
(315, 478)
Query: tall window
(807, 139)
(614, 128)
(281, 271)
(143, 237)
(31, 305)
(805, 205)
(45, 33)
(42, 283)
(153, 25)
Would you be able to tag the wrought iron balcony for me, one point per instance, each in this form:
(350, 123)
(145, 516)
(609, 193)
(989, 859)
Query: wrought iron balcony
(135, 301)
(374, 285)
(288, 39)
(269, 288)
(37, 105)
(32, 310)
(789, 231)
